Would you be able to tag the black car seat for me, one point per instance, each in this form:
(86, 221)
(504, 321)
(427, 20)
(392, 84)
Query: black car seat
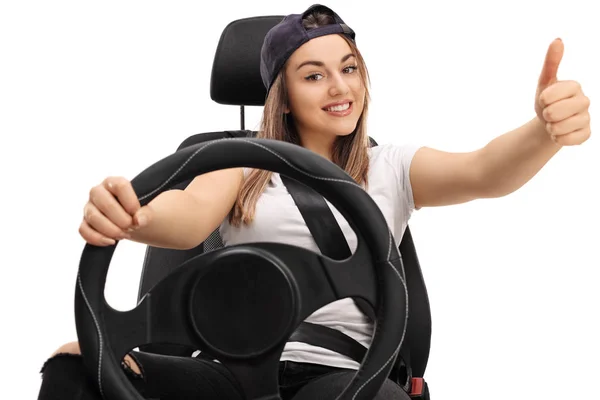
(236, 80)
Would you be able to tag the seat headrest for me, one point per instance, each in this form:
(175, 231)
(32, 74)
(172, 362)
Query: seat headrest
(235, 77)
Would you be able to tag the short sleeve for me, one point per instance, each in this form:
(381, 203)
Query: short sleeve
(399, 158)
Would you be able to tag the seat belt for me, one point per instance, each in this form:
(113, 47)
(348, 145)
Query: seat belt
(331, 241)
(324, 228)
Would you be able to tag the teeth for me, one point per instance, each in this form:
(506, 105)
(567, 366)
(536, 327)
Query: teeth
(341, 107)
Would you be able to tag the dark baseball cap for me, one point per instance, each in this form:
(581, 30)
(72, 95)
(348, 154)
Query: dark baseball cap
(284, 38)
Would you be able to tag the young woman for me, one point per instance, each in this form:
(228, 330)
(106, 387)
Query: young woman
(318, 98)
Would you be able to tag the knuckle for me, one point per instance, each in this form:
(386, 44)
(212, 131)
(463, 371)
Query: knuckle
(88, 216)
(587, 118)
(109, 180)
(586, 101)
(117, 183)
(587, 134)
(96, 192)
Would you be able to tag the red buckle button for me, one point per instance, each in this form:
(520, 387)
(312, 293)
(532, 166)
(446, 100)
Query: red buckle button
(416, 387)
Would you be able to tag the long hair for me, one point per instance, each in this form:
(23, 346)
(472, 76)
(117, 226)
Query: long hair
(349, 152)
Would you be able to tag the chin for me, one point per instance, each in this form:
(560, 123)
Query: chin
(344, 133)
(345, 129)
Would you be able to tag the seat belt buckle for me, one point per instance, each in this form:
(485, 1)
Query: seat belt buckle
(419, 389)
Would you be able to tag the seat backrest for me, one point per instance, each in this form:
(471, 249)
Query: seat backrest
(236, 80)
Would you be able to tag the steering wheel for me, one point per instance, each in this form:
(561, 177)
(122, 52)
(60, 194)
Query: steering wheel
(242, 303)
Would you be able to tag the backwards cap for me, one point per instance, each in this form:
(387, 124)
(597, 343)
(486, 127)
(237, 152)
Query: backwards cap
(284, 38)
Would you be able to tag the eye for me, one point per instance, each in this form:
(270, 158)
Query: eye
(317, 77)
(314, 77)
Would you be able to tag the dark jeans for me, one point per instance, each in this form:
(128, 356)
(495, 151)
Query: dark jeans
(177, 378)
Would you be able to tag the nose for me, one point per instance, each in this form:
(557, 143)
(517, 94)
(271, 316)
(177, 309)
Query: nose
(339, 86)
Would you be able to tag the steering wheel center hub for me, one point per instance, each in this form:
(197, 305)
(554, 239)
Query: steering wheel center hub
(244, 304)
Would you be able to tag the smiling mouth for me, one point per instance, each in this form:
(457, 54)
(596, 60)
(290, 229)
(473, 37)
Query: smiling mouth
(340, 110)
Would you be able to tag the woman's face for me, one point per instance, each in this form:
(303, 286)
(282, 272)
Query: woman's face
(325, 90)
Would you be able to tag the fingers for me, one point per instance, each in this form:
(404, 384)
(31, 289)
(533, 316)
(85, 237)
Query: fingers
(103, 202)
(568, 125)
(121, 188)
(94, 237)
(108, 215)
(565, 111)
(566, 108)
(560, 91)
(573, 138)
(102, 224)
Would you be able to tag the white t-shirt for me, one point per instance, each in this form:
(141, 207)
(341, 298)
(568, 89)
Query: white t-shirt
(277, 219)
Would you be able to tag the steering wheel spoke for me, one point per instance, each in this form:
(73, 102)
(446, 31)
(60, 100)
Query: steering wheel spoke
(159, 317)
(322, 280)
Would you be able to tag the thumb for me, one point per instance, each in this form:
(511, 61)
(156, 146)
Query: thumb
(142, 217)
(554, 56)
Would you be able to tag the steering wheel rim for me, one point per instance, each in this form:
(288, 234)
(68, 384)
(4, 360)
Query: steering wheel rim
(300, 164)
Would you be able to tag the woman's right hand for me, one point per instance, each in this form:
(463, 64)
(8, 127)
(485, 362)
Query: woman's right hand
(112, 213)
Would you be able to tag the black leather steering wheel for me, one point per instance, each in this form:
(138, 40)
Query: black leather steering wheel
(241, 303)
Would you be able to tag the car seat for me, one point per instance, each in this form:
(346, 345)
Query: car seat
(236, 80)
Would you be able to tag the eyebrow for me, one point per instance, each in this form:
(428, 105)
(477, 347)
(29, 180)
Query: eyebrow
(320, 63)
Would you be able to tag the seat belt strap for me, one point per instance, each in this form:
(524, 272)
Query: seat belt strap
(324, 228)
(332, 339)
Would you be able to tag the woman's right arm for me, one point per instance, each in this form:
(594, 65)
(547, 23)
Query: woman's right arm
(177, 219)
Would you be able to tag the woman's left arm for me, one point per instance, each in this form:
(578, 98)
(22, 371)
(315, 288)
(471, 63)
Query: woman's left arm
(509, 161)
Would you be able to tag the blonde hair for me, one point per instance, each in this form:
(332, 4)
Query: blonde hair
(349, 152)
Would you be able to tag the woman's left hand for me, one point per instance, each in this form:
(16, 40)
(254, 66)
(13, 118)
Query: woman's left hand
(561, 105)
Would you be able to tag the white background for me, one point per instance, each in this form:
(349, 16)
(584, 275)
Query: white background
(91, 89)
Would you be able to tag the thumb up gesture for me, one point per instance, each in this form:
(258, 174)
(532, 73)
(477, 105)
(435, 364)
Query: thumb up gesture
(561, 105)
